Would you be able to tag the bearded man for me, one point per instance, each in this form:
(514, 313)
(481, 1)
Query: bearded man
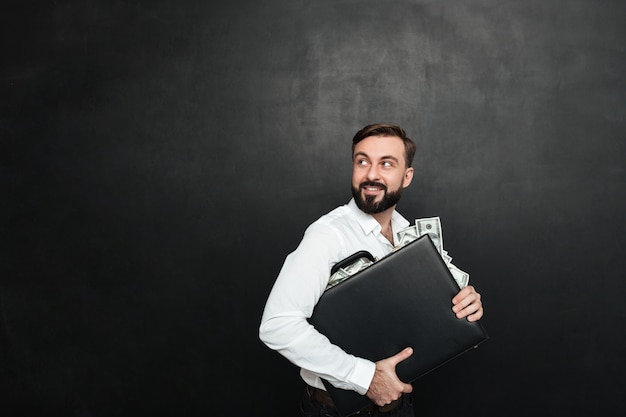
(382, 157)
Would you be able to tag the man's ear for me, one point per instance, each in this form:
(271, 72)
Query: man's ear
(408, 177)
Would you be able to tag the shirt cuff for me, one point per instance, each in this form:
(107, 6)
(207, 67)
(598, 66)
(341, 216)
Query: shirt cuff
(362, 375)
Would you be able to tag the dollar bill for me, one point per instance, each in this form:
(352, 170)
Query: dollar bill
(344, 273)
(447, 258)
(461, 277)
(407, 235)
(431, 226)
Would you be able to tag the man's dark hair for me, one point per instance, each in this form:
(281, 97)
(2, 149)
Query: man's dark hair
(381, 129)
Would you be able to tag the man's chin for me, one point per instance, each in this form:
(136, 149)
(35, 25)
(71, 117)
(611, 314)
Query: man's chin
(371, 205)
(372, 199)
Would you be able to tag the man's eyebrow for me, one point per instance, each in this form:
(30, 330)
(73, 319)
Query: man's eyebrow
(390, 157)
(361, 153)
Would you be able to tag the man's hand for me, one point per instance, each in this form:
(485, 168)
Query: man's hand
(467, 304)
(386, 386)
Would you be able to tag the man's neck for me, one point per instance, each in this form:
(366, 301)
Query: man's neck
(384, 219)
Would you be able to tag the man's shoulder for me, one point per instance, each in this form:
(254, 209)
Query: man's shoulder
(332, 232)
(332, 223)
(338, 215)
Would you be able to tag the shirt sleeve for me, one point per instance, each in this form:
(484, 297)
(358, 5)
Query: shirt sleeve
(284, 326)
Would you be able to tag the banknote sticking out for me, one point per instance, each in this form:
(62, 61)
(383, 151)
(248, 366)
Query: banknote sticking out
(431, 226)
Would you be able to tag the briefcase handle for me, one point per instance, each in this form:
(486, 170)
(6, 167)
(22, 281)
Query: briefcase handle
(352, 259)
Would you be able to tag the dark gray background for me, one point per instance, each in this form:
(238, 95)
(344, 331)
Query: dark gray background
(160, 159)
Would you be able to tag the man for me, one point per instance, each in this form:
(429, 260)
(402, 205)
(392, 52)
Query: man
(381, 169)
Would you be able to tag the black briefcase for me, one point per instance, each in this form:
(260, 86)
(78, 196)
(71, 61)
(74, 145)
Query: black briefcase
(402, 300)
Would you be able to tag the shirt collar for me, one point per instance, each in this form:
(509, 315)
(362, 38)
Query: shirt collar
(369, 224)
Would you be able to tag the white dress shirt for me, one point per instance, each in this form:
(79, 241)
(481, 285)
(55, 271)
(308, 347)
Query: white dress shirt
(301, 282)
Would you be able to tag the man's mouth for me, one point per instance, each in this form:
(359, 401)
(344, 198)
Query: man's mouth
(373, 188)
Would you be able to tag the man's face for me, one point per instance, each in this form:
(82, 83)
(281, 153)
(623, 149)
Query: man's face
(379, 173)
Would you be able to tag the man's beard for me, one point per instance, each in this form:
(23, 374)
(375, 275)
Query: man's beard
(368, 205)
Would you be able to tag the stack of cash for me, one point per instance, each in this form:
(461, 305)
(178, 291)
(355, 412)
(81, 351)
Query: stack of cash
(343, 273)
(427, 226)
(432, 226)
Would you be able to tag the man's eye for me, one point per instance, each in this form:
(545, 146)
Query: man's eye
(387, 164)
(361, 162)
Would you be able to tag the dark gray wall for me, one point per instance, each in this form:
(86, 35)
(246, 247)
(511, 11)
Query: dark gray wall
(160, 159)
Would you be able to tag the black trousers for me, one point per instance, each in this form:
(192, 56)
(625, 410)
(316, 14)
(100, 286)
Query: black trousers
(309, 407)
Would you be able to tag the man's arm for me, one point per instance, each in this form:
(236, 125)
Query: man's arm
(284, 326)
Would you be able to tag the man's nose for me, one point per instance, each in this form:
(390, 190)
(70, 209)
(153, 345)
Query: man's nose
(373, 173)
